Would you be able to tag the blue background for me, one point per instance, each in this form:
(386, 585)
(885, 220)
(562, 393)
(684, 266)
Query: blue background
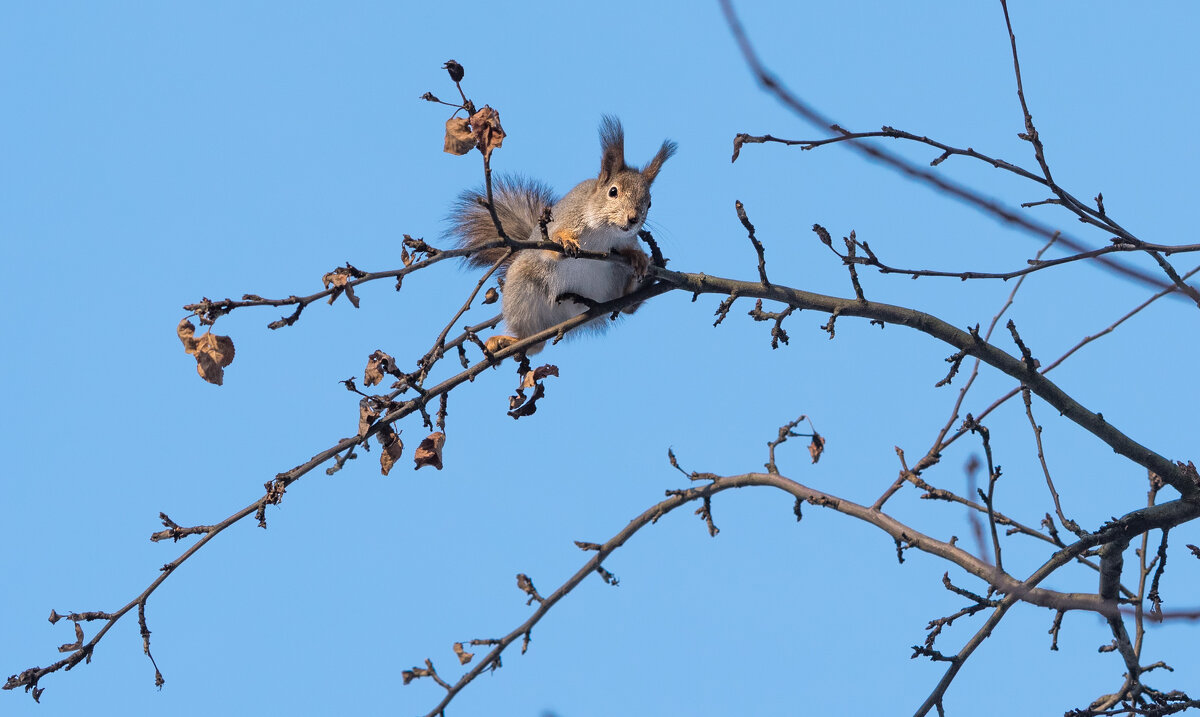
(156, 153)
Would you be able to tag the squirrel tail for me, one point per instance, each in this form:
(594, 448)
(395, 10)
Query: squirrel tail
(519, 206)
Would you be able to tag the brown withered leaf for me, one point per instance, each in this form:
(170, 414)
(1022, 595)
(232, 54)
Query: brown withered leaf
(529, 407)
(392, 447)
(213, 353)
(429, 453)
(368, 411)
(538, 374)
(489, 135)
(378, 364)
(463, 656)
(74, 645)
(186, 331)
(339, 279)
(816, 447)
(459, 139)
(490, 296)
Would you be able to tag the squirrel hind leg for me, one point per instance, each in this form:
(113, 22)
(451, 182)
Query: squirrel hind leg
(527, 305)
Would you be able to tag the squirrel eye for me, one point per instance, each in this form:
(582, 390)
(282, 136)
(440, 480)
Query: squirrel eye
(612, 191)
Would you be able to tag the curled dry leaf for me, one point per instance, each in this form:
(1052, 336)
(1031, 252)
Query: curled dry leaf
(378, 364)
(528, 407)
(459, 139)
(74, 645)
(463, 656)
(482, 131)
(816, 447)
(334, 278)
(429, 453)
(491, 296)
(489, 135)
(339, 279)
(538, 374)
(392, 447)
(368, 411)
(213, 353)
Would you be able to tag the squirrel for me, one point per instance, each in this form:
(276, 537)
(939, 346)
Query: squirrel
(603, 214)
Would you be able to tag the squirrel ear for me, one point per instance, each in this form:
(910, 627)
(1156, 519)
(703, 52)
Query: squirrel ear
(612, 148)
(651, 170)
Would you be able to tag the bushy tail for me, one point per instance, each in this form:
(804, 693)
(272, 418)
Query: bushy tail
(519, 205)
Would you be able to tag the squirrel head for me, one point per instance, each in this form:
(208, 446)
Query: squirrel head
(621, 196)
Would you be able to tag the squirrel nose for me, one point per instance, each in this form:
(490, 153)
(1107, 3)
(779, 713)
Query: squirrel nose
(631, 218)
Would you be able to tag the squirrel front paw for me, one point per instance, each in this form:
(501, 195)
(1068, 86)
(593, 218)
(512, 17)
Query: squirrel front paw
(637, 260)
(499, 343)
(569, 241)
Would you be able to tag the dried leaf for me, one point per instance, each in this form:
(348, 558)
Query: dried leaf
(489, 135)
(463, 656)
(529, 407)
(368, 411)
(339, 279)
(816, 447)
(213, 353)
(538, 374)
(378, 364)
(187, 332)
(392, 447)
(491, 295)
(459, 139)
(71, 647)
(429, 453)
(335, 278)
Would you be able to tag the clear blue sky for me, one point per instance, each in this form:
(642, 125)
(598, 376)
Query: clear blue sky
(157, 153)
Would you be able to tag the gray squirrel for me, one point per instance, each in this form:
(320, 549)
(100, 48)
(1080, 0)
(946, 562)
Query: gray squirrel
(599, 215)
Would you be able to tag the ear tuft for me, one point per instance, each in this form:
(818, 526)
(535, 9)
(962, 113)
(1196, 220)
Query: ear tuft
(664, 152)
(612, 148)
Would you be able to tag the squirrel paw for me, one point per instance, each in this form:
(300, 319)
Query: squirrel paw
(499, 343)
(637, 259)
(568, 240)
